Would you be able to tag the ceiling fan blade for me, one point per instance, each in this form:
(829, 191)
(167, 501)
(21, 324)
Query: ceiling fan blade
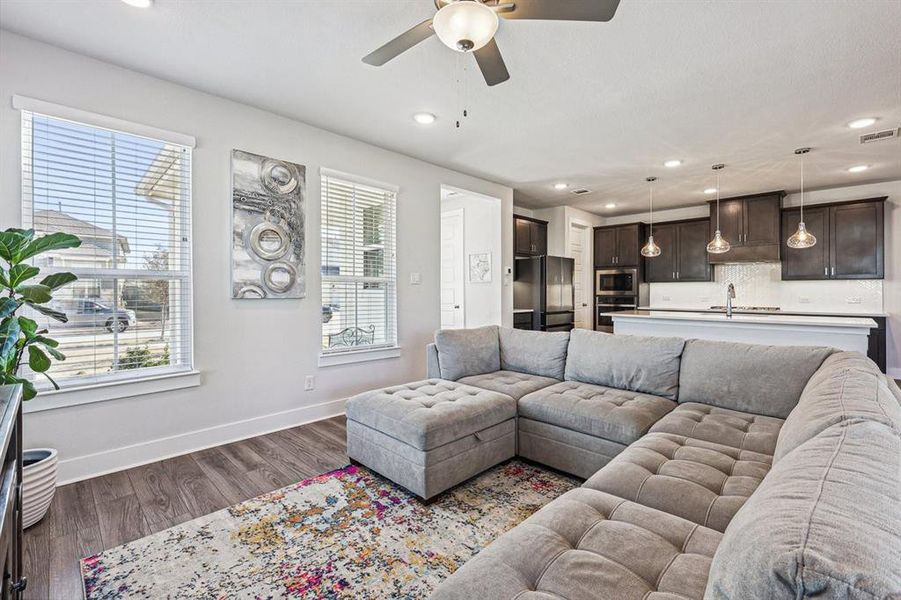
(491, 63)
(400, 44)
(560, 10)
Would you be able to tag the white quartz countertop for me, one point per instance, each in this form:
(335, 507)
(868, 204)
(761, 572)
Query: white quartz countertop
(758, 318)
(759, 312)
(517, 311)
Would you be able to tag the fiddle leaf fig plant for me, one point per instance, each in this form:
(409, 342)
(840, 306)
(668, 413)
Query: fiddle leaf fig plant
(21, 339)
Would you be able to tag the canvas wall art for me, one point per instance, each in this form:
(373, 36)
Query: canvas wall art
(268, 241)
(480, 267)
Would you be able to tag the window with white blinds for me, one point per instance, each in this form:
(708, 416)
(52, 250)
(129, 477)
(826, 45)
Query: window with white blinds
(129, 200)
(359, 278)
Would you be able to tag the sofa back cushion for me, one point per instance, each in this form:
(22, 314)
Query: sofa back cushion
(764, 380)
(848, 386)
(465, 352)
(628, 362)
(534, 352)
(824, 523)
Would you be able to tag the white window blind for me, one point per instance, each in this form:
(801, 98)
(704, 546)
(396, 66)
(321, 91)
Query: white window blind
(129, 200)
(359, 279)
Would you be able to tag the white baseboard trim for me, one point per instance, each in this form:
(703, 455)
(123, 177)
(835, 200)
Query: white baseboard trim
(116, 459)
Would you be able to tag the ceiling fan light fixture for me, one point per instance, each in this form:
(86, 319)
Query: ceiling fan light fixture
(465, 25)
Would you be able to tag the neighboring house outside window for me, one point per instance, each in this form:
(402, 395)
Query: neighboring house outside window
(359, 279)
(128, 198)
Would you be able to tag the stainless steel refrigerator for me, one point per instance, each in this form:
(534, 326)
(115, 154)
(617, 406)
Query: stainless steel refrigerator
(544, 285)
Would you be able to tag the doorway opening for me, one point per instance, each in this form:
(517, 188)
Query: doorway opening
(580, 250)
(471, 259)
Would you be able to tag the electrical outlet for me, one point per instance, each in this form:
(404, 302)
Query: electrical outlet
(666, 299)
(854, 300)
(415, 278)
(309, 383)
(803, 300)
(704, 299)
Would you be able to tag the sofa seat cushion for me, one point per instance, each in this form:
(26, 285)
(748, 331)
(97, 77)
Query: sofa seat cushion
(613, 414)
(514, 384)
(430, 413)
(722, 426)
(586, 545)
(700, 481)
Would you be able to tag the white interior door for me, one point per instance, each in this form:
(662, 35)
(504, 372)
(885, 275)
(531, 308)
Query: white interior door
(452, 270)
(580, 251)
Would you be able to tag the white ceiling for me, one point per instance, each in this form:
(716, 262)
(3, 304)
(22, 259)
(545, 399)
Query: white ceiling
(598, 105)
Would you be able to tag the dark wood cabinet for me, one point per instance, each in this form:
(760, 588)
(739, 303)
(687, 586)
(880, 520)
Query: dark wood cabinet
(850, 241)
(617, 246)
(662, 269)
(683, 252)
(691, 254)
(856, 245)
(807, 263)
(11, 491)
(529, 236)
(751, 225)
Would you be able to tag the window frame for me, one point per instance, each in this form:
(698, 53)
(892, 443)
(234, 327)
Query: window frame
(390, 349)
(122, 383)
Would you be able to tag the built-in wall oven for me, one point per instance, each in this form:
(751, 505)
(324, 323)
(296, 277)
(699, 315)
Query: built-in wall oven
(609, 304)
(616, 282)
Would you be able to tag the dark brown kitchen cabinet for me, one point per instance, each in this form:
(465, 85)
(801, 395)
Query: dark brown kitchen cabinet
(751, 225)
(850, 241)
(683, 252)
(529, 236)
(617, 246)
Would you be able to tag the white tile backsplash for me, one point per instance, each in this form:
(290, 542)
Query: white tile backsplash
(760, 284)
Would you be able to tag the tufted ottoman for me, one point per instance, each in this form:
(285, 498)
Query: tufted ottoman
(430, 435)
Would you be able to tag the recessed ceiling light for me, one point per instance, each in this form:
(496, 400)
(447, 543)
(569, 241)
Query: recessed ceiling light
(672, 163)
(610, 205)
(861, 123)
(424, 118)
(561, 186)
(710, 191)
(139, 3)
(858, 169)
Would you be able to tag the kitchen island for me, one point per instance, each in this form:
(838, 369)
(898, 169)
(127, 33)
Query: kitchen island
(845, 333)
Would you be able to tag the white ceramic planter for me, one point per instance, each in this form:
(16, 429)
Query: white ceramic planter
(38, 483)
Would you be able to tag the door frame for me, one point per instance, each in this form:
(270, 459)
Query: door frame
(587, 266)
(461, 213)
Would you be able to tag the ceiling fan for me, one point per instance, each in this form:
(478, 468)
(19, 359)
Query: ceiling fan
(469, 26)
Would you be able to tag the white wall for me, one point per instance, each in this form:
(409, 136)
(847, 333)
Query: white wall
(253, 355)
(481, 233)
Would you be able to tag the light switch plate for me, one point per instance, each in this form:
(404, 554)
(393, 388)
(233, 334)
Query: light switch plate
(415, 278)
(803, 300)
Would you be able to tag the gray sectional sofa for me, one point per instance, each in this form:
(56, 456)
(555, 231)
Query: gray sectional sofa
(713, 469)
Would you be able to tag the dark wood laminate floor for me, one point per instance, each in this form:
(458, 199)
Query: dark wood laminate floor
(93, 515)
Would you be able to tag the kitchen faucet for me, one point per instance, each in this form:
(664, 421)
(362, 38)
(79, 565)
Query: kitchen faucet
(730, 295)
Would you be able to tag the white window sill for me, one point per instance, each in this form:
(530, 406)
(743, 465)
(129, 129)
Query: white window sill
(111, 390)
(355, 356)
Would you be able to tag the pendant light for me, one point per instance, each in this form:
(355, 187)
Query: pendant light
(802, 238)
(651, 249)
(719, 244)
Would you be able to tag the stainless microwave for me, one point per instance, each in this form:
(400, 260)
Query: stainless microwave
(616, 282)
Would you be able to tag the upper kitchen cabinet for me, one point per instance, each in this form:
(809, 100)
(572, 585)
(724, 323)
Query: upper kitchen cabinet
(529, 236)
(617, 246)
(850, 241)
(751, 224)
(683, 253)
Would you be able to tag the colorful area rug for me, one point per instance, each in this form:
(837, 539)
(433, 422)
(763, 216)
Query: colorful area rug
(344, 534)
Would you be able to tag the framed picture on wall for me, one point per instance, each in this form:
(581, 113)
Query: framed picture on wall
(480, 267)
